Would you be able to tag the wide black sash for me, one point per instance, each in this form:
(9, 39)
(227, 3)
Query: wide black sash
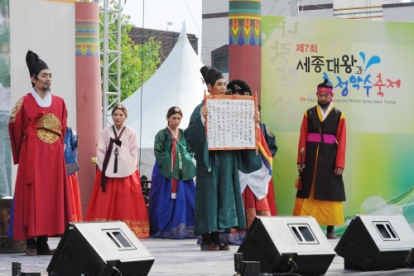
(108, 153)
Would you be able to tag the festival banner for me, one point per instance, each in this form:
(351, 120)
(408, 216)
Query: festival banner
(5, 153)
(369, 64)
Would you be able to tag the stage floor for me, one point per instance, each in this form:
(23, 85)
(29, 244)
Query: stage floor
(180, 257)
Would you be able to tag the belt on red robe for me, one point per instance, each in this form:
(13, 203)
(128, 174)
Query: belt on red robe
(321, 138)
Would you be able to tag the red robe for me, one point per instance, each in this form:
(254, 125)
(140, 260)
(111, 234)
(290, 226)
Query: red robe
(266, 206)
(41, 197)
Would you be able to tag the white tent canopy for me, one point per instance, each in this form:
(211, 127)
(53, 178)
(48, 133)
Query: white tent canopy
(178, 82)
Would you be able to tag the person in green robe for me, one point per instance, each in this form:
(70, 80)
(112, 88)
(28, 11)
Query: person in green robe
(172, 199)
(219, 204)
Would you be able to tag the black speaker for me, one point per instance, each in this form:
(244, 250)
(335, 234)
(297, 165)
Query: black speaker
(100, 249)
(284, 244)
(376, 242)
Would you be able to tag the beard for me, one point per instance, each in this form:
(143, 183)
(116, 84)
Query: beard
(46, 89)
(323, 104)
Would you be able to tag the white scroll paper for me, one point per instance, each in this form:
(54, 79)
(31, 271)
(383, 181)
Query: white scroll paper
(230, 122)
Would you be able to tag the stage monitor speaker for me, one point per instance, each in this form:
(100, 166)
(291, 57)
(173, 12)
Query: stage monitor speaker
(376, 242)
(283, 244)
(100, 249)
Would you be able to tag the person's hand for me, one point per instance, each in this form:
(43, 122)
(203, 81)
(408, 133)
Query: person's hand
(204, 111)
(338, 171)
(301, 168)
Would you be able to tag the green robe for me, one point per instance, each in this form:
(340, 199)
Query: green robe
(162, 151)
(219, 203)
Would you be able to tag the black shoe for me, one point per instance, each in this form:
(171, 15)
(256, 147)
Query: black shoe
(331, 236)
(224, 246)
(46, 252)
(31, 249)
(209, 247)
(42, 246)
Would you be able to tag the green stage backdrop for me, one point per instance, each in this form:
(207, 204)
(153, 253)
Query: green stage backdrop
(370, 65)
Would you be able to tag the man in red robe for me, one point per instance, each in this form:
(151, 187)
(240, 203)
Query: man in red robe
(37, 125)
(321, 162)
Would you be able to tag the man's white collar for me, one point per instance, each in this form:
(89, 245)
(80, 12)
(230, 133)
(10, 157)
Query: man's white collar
(45, 102)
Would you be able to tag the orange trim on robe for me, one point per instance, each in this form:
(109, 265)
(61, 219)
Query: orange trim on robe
(324, 211)
(341, 138)
(302, 139)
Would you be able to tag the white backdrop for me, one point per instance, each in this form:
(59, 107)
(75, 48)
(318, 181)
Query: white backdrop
(178, 82)
(48, 29)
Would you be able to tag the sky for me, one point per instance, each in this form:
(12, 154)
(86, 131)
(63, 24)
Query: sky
(158, 12)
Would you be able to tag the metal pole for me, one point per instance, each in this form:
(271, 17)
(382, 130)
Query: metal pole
(119, 52)
(111, 56)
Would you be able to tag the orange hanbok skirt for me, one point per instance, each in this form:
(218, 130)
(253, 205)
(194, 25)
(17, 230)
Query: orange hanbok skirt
(123, 200)
(75, 198)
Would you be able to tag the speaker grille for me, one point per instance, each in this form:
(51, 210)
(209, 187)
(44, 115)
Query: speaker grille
(386, 231)
(303, 233)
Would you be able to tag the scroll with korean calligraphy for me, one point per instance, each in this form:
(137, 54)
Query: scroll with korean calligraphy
(230, 122)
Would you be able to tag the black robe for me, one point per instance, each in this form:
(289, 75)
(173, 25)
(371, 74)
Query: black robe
(323, 155)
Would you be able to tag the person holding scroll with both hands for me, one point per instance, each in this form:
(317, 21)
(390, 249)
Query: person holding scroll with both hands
(257, 187)
(219, 205)
(321, 162)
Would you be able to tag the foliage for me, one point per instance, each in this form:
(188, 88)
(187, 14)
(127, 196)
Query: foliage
(3, 6)
(5, 56)
(5, 72)
(138, 62)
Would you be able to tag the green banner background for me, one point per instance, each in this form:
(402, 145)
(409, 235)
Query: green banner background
(379, 173)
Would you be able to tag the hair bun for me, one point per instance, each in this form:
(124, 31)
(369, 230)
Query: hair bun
(239, 87)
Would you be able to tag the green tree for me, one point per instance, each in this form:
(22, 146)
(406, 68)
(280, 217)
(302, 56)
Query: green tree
(4, 7)
(138, 62)
(5, 55)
